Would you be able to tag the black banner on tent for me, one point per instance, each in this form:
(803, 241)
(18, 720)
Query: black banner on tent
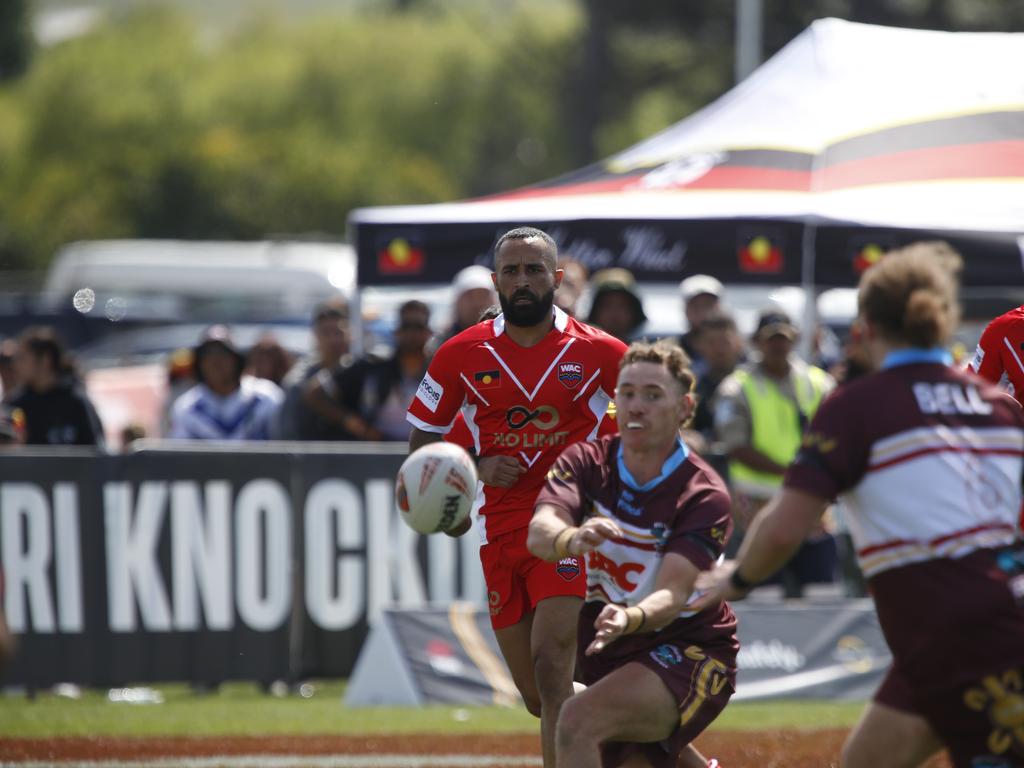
(750, 251)
(209, 566)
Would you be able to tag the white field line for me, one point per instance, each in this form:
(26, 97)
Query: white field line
(295, 761)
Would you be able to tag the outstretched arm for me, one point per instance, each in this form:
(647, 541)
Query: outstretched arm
(773, 538)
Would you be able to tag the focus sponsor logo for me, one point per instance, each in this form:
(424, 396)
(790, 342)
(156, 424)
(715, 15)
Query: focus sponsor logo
(979, 355)
(430, 393)
(570, 374)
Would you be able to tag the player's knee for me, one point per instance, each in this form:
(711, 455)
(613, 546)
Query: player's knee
(532, 705)
(858, 752)
(573, 724)
(555, 654)
(553, 675)
(850, 756)
(531, 699)
(865, 751)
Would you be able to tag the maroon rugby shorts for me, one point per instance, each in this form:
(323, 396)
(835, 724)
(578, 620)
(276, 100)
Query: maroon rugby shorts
(981, 723)
(701, 680)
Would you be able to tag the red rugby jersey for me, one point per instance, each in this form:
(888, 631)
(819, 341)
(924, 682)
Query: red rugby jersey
(517, 401)
(1000, 353)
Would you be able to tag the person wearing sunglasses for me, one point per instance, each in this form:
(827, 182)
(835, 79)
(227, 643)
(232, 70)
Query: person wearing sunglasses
(370, 398)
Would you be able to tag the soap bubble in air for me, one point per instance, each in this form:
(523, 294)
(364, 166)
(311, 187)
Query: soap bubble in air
(84, 300)
(115, 309)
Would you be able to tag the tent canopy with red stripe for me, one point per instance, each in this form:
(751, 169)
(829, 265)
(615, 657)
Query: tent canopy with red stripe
(852, 140)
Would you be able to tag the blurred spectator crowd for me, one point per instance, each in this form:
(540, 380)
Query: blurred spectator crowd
(755, 395)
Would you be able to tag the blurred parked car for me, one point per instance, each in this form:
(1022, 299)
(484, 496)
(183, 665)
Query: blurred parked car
(205, 281)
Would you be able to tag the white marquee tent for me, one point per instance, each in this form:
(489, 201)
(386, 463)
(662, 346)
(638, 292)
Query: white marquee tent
(851, 140)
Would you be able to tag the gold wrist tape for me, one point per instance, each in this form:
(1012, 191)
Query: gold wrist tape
(562, 541)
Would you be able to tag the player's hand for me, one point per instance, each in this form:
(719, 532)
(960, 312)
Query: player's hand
(592, 534)
(460, 529)
(713, 587)
(499, 471)
(610, 624)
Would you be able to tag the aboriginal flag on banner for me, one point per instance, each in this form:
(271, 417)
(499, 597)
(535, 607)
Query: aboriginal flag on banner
(400, 256)
(760, 253)
(867, 256)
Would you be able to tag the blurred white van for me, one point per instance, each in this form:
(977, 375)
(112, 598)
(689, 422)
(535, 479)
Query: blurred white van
(219, 281)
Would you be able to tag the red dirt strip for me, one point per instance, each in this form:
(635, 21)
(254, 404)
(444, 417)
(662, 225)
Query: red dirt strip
(734, 749)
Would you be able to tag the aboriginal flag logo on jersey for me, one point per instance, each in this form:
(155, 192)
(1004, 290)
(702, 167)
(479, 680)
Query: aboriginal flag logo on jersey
(487, 379)
(570, 374)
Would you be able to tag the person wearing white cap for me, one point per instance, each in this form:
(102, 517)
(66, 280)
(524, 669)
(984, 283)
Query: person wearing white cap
(473, 292)
(701, 296)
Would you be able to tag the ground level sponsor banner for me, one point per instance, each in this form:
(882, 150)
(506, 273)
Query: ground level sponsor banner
(275, 563)
(436, 656)
(210, 565)
(826, 650)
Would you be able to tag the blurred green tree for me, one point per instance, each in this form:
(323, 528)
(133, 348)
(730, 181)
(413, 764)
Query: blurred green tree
(16, 42)
(158, 124)
(151, 127)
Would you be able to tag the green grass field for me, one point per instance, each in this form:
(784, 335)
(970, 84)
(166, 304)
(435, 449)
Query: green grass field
(242, 709)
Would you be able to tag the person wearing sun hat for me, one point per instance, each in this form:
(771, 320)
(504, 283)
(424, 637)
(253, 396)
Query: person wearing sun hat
(615, 306)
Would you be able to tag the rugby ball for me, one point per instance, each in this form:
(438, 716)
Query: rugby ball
(435, 487)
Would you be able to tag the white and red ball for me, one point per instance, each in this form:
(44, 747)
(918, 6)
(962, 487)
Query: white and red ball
(436, 487)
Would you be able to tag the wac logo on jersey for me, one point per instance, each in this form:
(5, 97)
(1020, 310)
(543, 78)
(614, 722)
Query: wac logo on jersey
(570, 374)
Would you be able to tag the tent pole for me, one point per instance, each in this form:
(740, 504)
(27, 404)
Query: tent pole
(809, 322)
(749, 24)
(355, 310)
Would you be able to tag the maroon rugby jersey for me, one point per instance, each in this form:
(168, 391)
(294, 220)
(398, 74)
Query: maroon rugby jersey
(928, 461)
(686, 510)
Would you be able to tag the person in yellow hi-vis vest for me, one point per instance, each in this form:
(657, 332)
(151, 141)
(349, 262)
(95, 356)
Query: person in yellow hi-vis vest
(761, 411)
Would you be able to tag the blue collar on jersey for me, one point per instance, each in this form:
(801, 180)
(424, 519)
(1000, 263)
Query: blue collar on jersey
(677, 457)
(917, 355)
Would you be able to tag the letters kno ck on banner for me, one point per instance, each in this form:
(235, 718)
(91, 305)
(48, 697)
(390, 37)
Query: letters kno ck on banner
(209, 565)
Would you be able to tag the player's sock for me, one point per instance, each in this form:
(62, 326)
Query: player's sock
(578, 687)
